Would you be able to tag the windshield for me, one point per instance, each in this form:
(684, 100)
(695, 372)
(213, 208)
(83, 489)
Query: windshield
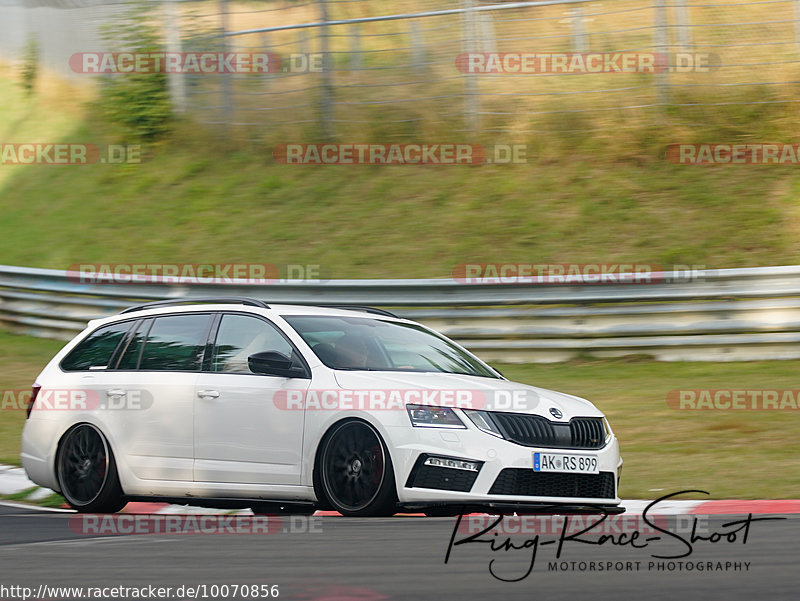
(360, 343)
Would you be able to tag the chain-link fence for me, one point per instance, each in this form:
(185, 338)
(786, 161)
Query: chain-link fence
(375, 68)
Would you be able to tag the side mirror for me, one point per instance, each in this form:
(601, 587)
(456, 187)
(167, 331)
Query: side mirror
(273, 363)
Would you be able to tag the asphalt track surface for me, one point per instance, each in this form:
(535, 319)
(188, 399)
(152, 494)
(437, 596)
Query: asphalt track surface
(390, 558)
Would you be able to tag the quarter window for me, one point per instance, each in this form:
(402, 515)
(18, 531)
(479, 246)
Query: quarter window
(95, 351)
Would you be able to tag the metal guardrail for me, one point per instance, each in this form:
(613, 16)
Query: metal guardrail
(730, 314)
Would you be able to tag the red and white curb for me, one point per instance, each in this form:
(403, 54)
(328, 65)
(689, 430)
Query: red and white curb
(716, 507)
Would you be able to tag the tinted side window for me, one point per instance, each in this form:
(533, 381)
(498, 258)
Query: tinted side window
(175, 343)
(240, 336)
(97, 348)
(130, 356)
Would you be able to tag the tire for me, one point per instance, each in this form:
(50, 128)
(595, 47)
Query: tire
(87, 472)
(355, 471)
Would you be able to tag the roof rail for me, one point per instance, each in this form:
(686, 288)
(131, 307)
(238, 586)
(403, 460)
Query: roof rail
(238, 300)
(364, 309)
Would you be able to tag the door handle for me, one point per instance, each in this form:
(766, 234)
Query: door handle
(116, 392)
(208, 394)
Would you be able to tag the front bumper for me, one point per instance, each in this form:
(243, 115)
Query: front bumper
(505, 477)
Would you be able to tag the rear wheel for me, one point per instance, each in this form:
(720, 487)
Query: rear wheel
(87, 472)
(356, 472)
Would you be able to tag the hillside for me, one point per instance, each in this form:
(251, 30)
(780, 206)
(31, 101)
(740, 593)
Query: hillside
(196, 198)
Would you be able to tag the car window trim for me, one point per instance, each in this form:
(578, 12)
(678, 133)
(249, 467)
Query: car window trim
(124, 344)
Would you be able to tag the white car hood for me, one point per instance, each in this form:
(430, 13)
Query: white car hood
(485, 393)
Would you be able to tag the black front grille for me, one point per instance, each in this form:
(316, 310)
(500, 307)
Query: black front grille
(537, 431)
(527, 483)
(441, 478)
(587, 432)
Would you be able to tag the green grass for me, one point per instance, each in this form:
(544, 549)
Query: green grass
(52, 500)
(748, 454)
(743, 454)
(21, 360)
(195, 199)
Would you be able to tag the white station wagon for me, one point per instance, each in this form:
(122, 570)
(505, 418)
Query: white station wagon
(235, 403)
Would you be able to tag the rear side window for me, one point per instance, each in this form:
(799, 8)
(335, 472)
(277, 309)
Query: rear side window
(96, 350)
(175, 343)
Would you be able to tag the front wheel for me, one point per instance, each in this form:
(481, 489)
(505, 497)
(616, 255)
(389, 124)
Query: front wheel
(87, 472)
(356, 471)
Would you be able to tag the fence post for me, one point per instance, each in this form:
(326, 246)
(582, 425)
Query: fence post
(578, 30)
(356, 56)
(417, 50)
(225, 82)
(176, 82)
(682, 23)
(797, 21)
(471, 105)
(661, 45)
(266, 78)
(326, 90)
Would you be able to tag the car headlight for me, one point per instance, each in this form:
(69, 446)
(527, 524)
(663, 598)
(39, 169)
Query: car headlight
(483, 421)
(424, 416)
(607, 428)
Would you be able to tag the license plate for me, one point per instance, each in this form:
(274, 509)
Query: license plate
(565, 463)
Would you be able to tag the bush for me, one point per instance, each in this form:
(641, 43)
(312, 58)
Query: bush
(30, 66)
(138, 101)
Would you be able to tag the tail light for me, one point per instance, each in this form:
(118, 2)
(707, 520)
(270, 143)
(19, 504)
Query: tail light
(35, 391)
